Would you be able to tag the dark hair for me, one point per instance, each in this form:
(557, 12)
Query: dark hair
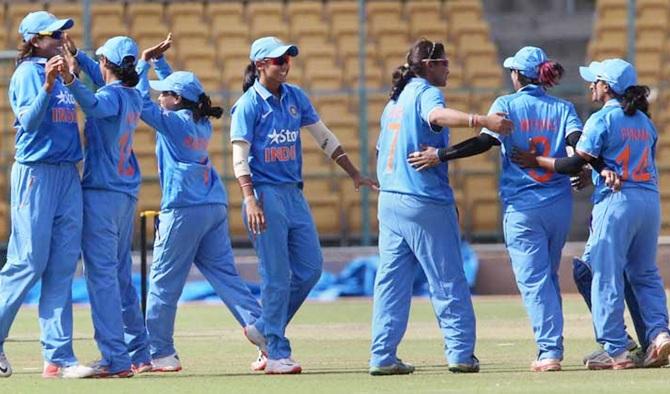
(125, 72)
(250, 76)
(25, 49)
(203, 108)
(550, 72)
(420, 50)
(634, 99)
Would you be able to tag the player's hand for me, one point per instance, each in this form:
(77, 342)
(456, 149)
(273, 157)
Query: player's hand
(525, 159)
(425, 158)
(582, 179)
(51, 71)
(69, 45)
(157, 50)
(364, 181)
(255, 216)
(612, 179)
(498, 122)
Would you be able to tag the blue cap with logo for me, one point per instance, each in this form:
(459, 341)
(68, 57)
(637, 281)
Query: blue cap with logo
(617, 73)
(184, 83)
(271, 47)
(527, 61)
(42, 22)
(117, 48)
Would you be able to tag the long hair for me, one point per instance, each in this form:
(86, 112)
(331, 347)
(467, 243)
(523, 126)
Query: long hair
(634, 99)
(550, 73)
(25, 49)
(420, 50)
(250, 76)
(202, 108)
(125, 72)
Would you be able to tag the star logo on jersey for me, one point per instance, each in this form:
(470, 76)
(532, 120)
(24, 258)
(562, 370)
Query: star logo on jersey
(282, 136)
(274, 137)
(65, 98)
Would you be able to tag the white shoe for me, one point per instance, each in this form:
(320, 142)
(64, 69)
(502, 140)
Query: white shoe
(260, 363)
(166, 364)
(658, 351)
(77, 372)
(5, 366)
(256, 337)
(282, 366)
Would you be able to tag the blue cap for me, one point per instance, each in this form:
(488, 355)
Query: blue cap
(618, 73)
(184, 83)
(42, 21)
(527, 61)
(117, 48)
(271, 47)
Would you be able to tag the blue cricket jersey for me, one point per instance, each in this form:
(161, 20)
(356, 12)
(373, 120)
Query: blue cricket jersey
(186, 174)
(271, 125)
(546, 121)
(405, 129)
(46, 123)
(112, 115)
(627, 144)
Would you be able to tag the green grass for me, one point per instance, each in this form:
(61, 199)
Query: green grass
(331, 340)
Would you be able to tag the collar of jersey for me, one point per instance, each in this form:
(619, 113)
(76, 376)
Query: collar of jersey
(420, 80)
(35, 59)
(532, 89)
(612, 103)
(265, 93)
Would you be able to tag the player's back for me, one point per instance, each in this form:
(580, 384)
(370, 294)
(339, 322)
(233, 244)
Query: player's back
(541, 121)
(405, 129)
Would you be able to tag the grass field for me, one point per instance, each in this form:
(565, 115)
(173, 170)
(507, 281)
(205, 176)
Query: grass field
(331, 340)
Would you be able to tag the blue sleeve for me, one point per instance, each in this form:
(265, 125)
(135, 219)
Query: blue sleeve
(162, 67)
(28, 98)
(102, 104)
(163, 121)
(308, 114)
(499, 105)
(90, 67)
(573, 123)
(242, 120)
(592, 140)
(142, 69)
(430, 99)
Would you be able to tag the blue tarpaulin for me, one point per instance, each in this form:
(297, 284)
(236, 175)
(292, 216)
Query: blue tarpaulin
(355, 280)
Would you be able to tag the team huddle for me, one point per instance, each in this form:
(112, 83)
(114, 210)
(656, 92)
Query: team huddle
(58, 215)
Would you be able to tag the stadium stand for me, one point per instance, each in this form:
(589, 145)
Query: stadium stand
(213, 38)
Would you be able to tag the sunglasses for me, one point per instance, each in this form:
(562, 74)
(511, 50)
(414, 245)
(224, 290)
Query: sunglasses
(56, 35)
(441, 62)
(279, 61)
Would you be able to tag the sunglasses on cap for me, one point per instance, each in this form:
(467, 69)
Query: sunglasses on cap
(56, 35)
(279, 61)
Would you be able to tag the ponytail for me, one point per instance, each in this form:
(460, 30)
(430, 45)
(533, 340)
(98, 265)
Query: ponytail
(125, 72)
(550, 73)
(634, 99)
(202, 108)
(25, 49)
(250, 76)
(401, 77)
